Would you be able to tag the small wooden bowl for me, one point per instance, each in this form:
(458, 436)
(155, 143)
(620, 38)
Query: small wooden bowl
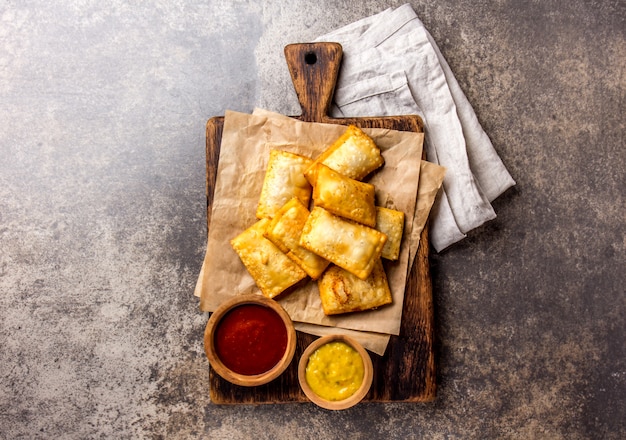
(212, 353)
(358, 395)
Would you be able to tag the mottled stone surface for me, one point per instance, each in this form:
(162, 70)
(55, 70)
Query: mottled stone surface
(102, 223)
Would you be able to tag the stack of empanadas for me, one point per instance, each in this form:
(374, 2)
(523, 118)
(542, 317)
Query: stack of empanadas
(339, 242)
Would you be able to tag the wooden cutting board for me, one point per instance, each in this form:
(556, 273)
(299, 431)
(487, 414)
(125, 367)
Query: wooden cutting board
(406, 373)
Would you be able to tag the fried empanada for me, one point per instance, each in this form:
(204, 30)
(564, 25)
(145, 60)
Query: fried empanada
(344, 196)
(391, 223)
(284, 231)
(272, 271)
(354, 154)
(350, 245)
(284, 179)
(342, 292)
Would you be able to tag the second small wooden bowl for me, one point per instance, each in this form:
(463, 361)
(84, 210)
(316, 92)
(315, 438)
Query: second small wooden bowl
(250, 342)
(358, 395)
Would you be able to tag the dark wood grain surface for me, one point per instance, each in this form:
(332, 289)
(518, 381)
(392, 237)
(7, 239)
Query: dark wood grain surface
(406, 372)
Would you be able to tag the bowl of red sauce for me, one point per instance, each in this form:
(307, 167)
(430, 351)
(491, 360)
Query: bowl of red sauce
(250, 340)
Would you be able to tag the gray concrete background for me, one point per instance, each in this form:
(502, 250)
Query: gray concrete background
(102, 223)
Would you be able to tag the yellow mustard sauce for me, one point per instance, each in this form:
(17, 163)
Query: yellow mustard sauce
(335, 371)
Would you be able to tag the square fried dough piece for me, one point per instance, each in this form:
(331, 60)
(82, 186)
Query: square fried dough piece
(391, 223)
(284, 231)
(343, 196)
(284, 180)
(354, 154)
(349, 245)
(272, 271)
(342, 292)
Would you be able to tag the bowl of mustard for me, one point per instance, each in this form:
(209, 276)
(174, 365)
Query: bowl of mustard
(335, 372)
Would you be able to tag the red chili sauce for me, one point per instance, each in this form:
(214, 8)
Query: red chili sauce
(250, 339)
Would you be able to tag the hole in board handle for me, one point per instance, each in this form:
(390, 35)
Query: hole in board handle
(310, 58)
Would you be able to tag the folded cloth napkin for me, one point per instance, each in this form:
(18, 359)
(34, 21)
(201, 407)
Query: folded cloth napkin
(392, 66)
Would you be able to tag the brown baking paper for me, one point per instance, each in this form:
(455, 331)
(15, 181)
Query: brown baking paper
(374, 342)
(431, 179)
(246, 141)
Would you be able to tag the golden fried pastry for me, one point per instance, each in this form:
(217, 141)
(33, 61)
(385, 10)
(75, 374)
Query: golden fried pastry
(272, 271)
(350, 245)
(354, 154)
(284, 180)
(343, 196)
(342, 292)
(391, 223)
(284, 231)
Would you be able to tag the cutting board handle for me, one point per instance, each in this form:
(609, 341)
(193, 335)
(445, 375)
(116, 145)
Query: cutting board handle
(314, 68)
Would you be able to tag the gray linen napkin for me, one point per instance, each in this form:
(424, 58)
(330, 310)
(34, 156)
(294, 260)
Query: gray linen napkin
(392, 66)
